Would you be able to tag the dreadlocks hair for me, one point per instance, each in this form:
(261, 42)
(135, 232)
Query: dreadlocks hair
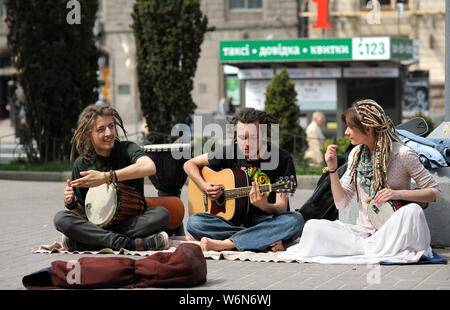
(367, 113)
(80, 141)
(251, 115)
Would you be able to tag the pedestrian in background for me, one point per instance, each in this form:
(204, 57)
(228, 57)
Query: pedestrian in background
(316, 139)
(222, 108)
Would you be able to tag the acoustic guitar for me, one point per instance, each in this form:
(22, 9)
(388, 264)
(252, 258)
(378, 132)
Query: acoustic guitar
(234, 204)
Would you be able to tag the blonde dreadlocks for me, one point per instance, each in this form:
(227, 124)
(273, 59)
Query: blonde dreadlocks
(80, 141)
(367, 113)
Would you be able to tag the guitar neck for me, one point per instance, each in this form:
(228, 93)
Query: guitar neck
(244, 191)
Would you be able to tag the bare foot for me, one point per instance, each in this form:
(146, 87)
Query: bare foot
(277, 246)
(208, 244)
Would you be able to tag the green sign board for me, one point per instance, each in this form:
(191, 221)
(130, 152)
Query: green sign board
(404, 48)
(365, 48)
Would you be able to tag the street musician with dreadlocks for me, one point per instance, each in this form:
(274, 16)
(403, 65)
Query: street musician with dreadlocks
(103, 158)
(380, 168)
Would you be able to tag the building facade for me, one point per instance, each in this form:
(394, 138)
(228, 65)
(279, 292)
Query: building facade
(265, 20)
(421, 21)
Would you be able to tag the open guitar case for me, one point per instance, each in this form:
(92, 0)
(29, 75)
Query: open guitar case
(321, 205)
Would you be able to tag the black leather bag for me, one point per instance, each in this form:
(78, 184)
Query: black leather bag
(321, 205)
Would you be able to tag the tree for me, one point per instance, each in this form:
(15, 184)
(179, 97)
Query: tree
(53, 48)
(280, 102)
(168, 35)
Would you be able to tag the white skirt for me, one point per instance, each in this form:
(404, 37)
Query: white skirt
(405, 237)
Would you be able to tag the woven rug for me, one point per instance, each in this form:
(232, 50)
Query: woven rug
(269, 256)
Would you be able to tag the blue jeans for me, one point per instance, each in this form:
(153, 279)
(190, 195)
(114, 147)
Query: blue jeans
(263, 231)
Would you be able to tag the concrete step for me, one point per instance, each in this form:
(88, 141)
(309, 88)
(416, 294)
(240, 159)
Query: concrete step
(10, 147)
(7, 157)
(10, 151)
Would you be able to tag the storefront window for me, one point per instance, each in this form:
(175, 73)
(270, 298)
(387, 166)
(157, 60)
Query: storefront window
(382, 90)
(2, 10)
(100, 8)
(384, 4)
(232, 89)
(245, 4)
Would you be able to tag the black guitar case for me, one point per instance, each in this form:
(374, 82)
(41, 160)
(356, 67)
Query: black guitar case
(321, 205)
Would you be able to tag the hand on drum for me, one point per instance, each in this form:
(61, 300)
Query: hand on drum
(213, 190)
(385, 194)
(331, 156)
(90, 178)
(68, 193)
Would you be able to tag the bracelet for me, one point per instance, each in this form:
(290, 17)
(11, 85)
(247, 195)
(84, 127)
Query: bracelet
(105, 177)
(111, 176)
(71, 205)
(326, 169)
(115, 176)
(107, 182)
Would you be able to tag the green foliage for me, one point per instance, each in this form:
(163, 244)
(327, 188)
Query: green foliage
(22, 164)
(427, 119)
(168, 35)
(305, 169)
(58, 63)
(342, 143)
(280, 102)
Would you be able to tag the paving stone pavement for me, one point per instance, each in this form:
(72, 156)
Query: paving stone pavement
(26, 220)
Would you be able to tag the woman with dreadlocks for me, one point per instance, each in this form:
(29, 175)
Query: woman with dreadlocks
(104, 159)
(380, 168)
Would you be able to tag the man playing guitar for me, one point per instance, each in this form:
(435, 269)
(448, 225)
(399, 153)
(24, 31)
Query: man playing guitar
(269, 223)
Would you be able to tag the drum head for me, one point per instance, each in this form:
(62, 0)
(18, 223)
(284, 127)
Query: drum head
(101, 204)
(379, 213)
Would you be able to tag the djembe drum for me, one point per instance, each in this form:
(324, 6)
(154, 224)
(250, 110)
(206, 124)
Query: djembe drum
(170, 176)
(379, 213)
(107, 206)
(169, 160)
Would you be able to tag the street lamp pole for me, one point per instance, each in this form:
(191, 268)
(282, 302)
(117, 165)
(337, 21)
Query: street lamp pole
(447, 60)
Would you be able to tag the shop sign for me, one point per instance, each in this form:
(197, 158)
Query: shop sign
(322, 15)
(312, 94)
(405, 49)
(312, 73)
(286, 50)
(361, 48)
(371, 72)
(255, 74)
(415, 96)
(376, 48)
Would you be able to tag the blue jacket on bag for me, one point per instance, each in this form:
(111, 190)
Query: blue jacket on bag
(433, 153)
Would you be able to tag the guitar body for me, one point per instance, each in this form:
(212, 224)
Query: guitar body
(234, 210)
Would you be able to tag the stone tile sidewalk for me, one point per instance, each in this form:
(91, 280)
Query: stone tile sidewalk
(26, 214)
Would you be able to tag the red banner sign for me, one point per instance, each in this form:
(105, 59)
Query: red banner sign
(322, 15)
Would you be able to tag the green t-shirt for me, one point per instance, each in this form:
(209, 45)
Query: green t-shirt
(122, 155)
